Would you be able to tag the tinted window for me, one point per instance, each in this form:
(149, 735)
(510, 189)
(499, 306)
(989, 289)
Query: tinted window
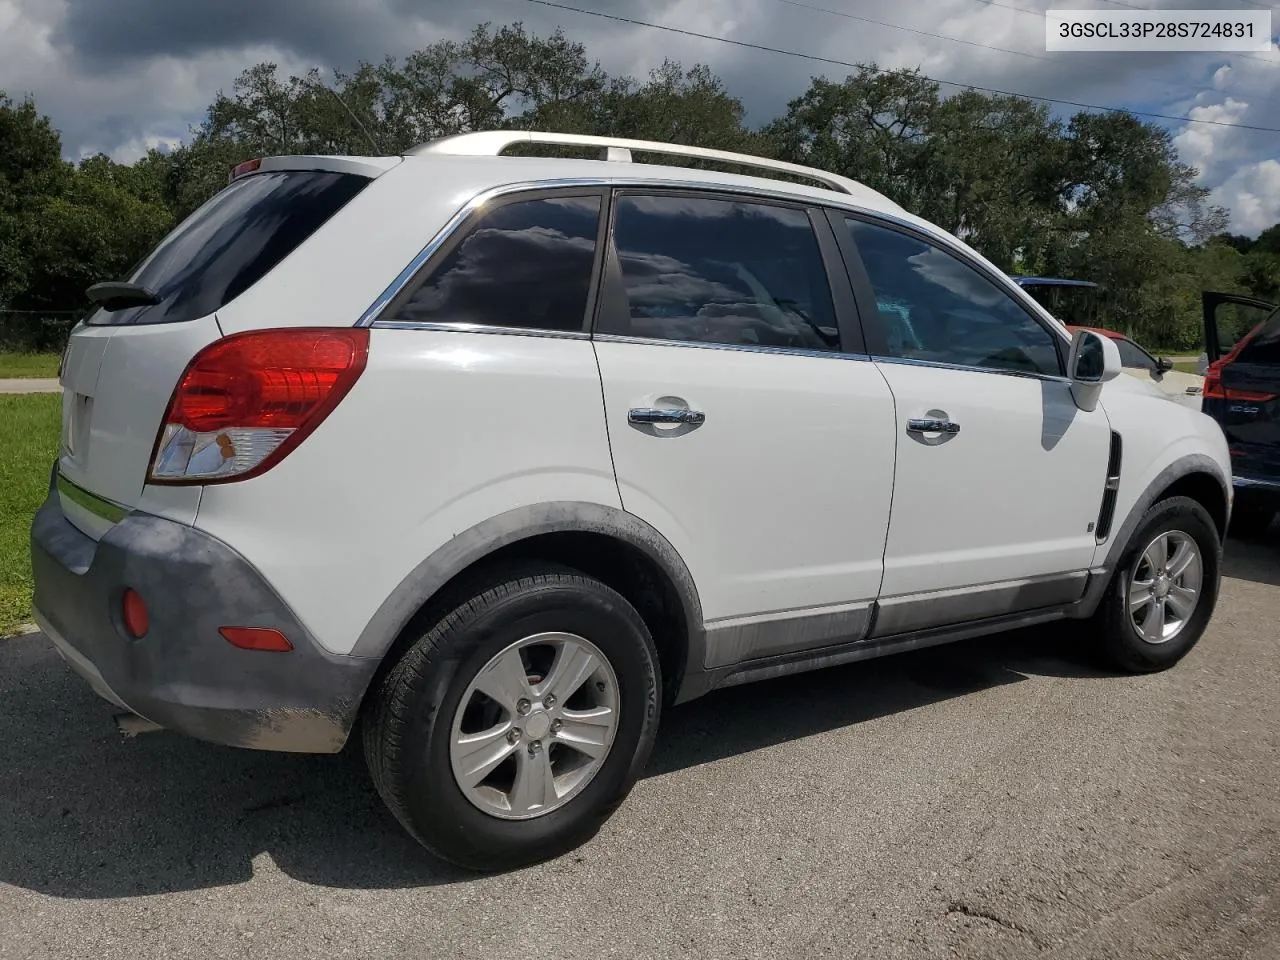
(722, 271)
(937, 308)
(230, 243)
(1264, 346)
(1133, 356)
(526, 264)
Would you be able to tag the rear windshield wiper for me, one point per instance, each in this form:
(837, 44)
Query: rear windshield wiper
(120, 295)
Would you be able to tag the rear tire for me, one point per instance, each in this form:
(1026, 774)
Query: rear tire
(490, 785)
(1148, 619)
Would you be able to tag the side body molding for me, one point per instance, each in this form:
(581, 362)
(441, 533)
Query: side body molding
(482, 540)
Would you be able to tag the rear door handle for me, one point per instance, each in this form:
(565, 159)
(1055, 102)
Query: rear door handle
(931, 425)
(665, 415)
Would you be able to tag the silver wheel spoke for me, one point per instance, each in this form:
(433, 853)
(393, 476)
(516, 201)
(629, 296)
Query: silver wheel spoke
(1140, 595)
(1153, 624)
(1183, 554)
(503, 679)
(587, 731)
(1183, 601)
(1156, 553)
(574, 663)
(476, 755)
(535, 786)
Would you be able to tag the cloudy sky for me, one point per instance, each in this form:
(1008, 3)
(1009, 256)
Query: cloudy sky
(119, 76)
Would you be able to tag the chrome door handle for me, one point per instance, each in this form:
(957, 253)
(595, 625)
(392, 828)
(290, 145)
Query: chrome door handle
(665, 415)
(930, 425)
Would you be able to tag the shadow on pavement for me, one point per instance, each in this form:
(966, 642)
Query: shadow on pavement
(1256, 559)
(87, 814)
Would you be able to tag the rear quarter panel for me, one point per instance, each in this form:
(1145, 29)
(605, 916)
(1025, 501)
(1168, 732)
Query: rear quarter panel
(443, 431)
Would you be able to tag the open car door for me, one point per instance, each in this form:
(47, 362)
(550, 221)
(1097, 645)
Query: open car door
(1228, 317)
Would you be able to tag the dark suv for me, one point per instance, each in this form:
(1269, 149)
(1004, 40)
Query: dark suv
(1242, 392)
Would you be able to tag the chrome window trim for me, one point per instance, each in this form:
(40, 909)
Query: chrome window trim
(446, 326)
(743, 347)
(966, 368)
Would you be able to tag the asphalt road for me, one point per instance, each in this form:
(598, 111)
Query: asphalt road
(998, 798)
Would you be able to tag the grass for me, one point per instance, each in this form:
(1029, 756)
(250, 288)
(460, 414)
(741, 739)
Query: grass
(22, 366)
(1185, 366)
(29, 428)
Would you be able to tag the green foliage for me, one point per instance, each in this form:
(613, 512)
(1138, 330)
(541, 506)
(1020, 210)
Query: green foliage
(29, 439)
(1100, 196)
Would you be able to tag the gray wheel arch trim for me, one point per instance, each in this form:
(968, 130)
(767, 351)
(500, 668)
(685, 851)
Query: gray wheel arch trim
(484, 539)
(1119, 541)
(1182, 467)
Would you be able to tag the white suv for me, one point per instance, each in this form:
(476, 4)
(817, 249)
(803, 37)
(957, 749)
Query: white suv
(499, 455)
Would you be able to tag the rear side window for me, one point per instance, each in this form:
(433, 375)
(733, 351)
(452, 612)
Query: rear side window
(525, 265)
(233, 241)
(704, 270)
(1264, 346)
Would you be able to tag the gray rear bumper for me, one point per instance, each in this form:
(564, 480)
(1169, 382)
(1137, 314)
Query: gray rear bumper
(182, 674)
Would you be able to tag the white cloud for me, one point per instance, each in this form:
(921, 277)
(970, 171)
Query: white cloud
(1252, 194)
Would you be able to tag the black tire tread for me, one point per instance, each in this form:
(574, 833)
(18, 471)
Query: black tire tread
(1111, 621)
(387, 708)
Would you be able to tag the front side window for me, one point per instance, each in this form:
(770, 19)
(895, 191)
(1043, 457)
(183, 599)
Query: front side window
(525, 264)
(935, 307)
(704, 270)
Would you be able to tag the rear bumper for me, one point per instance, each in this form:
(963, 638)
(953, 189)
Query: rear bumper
(182, 675)
(1256, 489)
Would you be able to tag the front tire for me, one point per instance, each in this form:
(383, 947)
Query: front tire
(1163, 594)
(518, 721)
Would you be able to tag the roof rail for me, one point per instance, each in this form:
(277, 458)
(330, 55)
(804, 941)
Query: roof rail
(491, 143)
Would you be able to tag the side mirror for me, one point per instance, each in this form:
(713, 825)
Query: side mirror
(1095, 359)
(1163, 364)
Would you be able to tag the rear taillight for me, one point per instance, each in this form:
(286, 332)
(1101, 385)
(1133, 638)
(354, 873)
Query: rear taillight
(245, 401)
(1215, 390)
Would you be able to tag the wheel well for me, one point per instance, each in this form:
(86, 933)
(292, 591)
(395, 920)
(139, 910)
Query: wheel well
(614, 562)
(1207, 491)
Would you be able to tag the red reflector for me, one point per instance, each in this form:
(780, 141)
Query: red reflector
(133, 611)
(240, 169)
(256, 638)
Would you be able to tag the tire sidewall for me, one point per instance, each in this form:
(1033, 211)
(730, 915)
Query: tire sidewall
(435, 804)
(1178, 514)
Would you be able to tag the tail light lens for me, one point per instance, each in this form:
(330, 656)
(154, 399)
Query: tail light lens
(1215, 390)
(245, 401)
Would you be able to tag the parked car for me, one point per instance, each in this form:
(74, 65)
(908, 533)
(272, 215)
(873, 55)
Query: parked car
(1185, 388)
(500, 456)
(1242, 392)
(1074, 302)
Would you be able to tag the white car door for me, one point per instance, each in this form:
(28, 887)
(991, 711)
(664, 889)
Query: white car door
(747, 425)
(1000, 477)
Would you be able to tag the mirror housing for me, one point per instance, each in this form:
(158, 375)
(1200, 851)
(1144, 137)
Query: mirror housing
(1094, 360)
(1163, 364)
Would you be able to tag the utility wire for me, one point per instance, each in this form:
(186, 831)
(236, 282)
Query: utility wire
(950, 83)
(1165, 83)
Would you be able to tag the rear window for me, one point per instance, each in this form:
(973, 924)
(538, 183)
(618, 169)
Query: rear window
(1264, 347)
(233, 241)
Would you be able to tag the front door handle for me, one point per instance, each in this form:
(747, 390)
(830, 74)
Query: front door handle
(932, 425)
(665, 415)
